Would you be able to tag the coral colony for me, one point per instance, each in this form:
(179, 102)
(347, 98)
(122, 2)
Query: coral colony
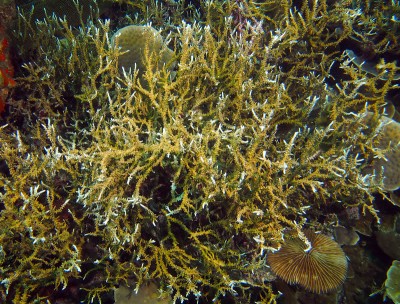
(199, 152)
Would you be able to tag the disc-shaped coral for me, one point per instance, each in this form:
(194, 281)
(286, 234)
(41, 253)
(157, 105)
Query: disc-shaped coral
(319, 268)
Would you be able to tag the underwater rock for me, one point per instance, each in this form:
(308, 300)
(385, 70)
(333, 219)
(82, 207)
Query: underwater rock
(395, 197)
(369, 67)
(388, 165)
(62, 8)
(361, 223)
(8, 13)
(388, 236)
(392, 283)
(390, 136)
(133, 41)
(148, 293)
(319, 269)
(390, 110)
(345, 236)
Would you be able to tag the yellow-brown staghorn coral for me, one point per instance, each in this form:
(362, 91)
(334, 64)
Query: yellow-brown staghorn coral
(109, 178)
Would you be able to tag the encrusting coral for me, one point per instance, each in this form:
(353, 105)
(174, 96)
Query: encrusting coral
(190, 179)
(392, 283)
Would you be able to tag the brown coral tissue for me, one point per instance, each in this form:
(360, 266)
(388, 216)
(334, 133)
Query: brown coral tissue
(319, 269)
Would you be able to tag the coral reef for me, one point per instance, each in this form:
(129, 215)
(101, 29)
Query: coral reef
(135, 42)
(344, 236)
(147, 294)
(193, 168)
(388, 236)
(392, 283)
(319, 266)
(386, 166)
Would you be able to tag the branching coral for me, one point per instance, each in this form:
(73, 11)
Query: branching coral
(113, 173)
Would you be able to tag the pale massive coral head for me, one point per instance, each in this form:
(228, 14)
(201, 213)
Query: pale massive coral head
(387, 164)
(134, 41)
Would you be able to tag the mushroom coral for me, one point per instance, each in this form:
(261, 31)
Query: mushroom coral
(319, 268)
